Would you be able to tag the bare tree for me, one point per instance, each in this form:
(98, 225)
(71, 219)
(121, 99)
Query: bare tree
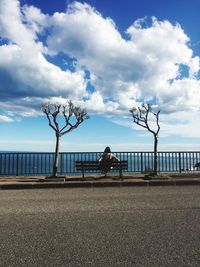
(141, 116)
(72, 116)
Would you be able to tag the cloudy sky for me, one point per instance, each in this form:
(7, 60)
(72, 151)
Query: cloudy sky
(108, 56)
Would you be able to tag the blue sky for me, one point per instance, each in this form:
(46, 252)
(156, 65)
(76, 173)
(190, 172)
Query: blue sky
(107, 56)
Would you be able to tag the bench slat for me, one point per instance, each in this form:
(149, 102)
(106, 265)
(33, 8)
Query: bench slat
(94, 165)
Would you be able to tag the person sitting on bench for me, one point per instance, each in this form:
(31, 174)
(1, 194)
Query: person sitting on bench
(106, 160)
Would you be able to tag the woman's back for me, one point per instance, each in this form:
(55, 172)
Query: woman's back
(106, 161)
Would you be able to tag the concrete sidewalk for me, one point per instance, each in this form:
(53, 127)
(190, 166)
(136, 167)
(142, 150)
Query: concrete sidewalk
(32, 182)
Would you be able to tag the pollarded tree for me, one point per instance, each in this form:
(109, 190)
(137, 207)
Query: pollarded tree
(141, 116)
(72, 117)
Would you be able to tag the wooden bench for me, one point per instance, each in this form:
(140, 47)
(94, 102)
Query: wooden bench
(91, 165)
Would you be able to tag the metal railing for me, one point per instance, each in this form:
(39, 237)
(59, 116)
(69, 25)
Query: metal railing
(24, 163)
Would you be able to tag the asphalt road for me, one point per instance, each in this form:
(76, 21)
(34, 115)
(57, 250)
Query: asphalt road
(137, 226)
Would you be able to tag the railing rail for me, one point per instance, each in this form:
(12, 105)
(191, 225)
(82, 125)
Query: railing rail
(41, 163)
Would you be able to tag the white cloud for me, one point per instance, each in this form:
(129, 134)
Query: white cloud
(4, 118)
(12, 27)
(154, 62)
(24, 71)
(35, 19)
(181, 123)
(96, 104)
(140, 67)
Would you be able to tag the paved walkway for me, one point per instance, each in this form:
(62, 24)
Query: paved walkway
(30, 182)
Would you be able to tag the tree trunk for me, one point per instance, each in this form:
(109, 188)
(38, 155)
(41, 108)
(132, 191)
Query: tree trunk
(55, 165)
(155, 169)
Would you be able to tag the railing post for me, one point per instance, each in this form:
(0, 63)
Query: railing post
(17, 167)
(61, 164)
(179, 161)
(82, 167)
(141, 162)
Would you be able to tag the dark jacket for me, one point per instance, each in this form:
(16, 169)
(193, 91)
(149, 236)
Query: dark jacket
(106, 161)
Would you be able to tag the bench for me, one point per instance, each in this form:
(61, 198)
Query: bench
(92, 165)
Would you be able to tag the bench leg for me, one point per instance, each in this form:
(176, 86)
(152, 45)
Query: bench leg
(121, 175)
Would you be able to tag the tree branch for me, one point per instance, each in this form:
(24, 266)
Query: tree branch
(46, 111)
(141, 117)
(69, 111)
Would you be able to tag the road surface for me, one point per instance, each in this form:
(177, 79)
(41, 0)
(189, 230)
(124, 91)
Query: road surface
(128, 226)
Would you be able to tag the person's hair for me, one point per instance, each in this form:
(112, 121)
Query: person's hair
(107, 150)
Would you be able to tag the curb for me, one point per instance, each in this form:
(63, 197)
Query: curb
(91, 184)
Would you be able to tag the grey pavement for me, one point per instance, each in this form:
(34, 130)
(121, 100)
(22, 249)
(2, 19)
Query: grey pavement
(92, 180)
(117, 226)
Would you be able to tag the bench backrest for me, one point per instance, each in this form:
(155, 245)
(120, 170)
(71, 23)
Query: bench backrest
(95, 165)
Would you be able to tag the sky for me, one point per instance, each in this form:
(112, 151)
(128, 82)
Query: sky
(105, 56)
